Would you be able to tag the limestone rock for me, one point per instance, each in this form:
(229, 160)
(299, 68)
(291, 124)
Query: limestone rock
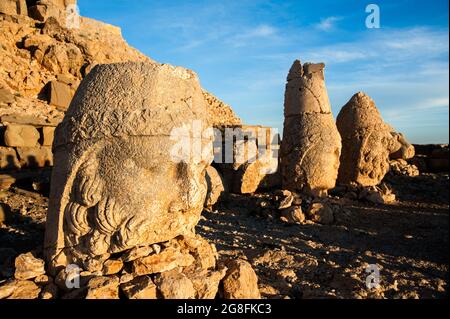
(206, 283)
(61, 94)
(166, 260)
(204, 253)
(321, 213)
(402, 167)
(111, 267)
(240, 281)
(406, 151)
(6, 97)
(216, 186)
(136, 252)
(48, 133)
(367, 142)
(13, 7)
(21, 136)
(311, 145)
(140, 288)
(114, 156)
(219, 112)
(175, 285)
(50, 291)
(8, 158)
(7, 289)
(32, 157)
(293, 215)
(21, 289)
(103, 288)
(28, 267)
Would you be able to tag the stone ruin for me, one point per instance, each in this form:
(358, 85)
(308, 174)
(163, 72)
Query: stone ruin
(311, 144)
(121, 208)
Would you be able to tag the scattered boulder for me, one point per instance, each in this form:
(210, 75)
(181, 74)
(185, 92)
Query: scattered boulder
(240, 281)
(140, 288)
(321, 213)
(293, 215)
(175, 285)
(21, 135)
(103, 288)
(366, 140)
(20, 289)
(311, 145)
(402, 167)
(111, 267)
(378, 194)
(206, 283)
(28, 267)
(168, 259)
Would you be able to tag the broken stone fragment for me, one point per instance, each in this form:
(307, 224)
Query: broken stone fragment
(6, 97)
(293, 215)
(206, 283)
(139, 288)
(28, 267)
(103, 288)
(240, 281)
(61, 94)
(204, 253)
(50, 291)
(48, 134)
(366, 142)
(311, 144)
(166, 260)
(216, 187)
(321, 213)
(19, 289)
(111, 267)
(175, 285)
(21, 135)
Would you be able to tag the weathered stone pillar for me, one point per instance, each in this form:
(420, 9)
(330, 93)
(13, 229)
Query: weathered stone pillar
(311, 145)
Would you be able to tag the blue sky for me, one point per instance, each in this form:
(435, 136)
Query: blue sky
(242, 51)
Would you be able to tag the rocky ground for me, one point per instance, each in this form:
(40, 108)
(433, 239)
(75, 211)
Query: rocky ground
(407, 240)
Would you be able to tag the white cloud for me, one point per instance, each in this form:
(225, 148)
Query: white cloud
(328, 24)
(245, 37)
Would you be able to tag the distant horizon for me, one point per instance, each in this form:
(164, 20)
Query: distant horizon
(242, 52)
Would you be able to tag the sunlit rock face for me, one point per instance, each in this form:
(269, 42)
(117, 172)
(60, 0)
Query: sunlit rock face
(311, 144)
(116, 183)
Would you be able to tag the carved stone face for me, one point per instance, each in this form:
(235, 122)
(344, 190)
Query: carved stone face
(133, 193)
(116, 184)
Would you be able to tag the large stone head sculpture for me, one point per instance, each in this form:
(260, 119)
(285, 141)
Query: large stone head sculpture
(311, 144)
(366, 142)
(115, 183)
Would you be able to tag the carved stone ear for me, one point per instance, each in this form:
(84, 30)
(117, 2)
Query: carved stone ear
(88, 186)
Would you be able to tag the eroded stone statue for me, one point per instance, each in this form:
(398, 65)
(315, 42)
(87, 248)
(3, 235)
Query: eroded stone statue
(115, 184)
(311, 144)
(366, 142)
